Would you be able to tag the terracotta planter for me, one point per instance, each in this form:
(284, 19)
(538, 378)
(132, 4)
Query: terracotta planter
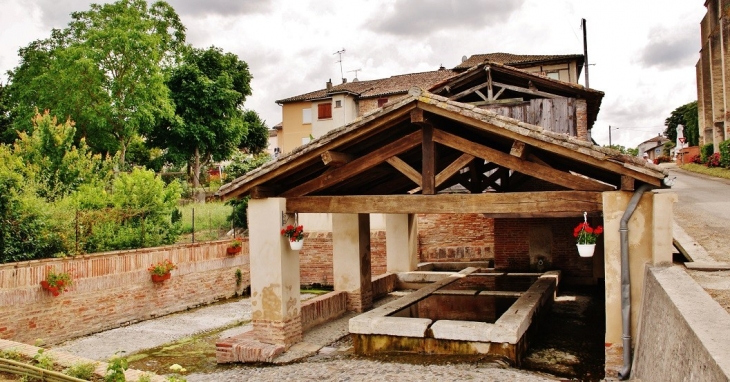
(160, 278)
(233, 250)
(586, 250)
(44, 284)
(296, 245)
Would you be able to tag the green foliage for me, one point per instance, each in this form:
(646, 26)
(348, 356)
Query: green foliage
(242, 163)
(239, 215)
(239, 277)
(623, 150)
(115, 369)
(687, 116)
(667, 148)
(11, 354)
(208, 216)
(712, 171)
(43, 360)
(257, 138)
(7, 135)
(145, 378)
(706, 151)
(81, 370)
(207, 88)
(725, 153)
(104, 70)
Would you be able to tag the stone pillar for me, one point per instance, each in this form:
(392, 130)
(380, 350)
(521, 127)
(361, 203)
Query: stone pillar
(274, 269)
(351, 259)
(401, 242)
(650, 240)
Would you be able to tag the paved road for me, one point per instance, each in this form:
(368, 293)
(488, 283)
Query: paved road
(703, 210)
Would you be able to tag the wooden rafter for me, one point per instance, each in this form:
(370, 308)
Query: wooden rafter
(428, 168)
(520, 89)
(357, 166)
(573, 182)
(405, 169)
(548, 203)
(335, 159)
(453, 168)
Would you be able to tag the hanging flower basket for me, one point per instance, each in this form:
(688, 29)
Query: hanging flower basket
(296, 245)
(295, 234)
(587, 237)
(56, 283)
(586, 250)
(234, 247)
(161, 271)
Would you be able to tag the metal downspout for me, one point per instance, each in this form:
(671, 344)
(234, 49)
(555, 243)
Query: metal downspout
(623, 374)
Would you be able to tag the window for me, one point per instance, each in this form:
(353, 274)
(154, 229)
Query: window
(554, 75)
(306, 115)
(338, 103)
(382, 101)
(324, 110)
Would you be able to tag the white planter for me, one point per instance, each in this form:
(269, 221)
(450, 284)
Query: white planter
(586, 250)
(296, 245)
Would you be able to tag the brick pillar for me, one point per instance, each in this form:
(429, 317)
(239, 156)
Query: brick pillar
(274, 272)
(351, 259)
(401, 242)
(581, 119)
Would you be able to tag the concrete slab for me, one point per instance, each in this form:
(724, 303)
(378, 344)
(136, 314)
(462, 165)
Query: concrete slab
(462, 330)
(707, 266)
(688, 246)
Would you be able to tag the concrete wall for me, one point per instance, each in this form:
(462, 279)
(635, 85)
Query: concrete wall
(293, 129)
(650, 242)
(676, 340)
(113, 289)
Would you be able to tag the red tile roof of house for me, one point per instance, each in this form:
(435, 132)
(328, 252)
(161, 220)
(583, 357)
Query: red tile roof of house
(378, 88)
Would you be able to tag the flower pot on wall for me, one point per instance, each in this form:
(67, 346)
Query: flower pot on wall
(586, 250)
(233, 250)
(296, 245)
(160, 278)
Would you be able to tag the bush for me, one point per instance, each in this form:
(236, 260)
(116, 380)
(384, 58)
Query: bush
(706, 151)
(662, 159)
(713, 160)
(81, 370)
(695, 159)
(725, 153)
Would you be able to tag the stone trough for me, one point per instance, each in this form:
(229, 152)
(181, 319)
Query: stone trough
(475, 311)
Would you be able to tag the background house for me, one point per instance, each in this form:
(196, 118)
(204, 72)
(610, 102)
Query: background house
(317, 112)
(653, 147)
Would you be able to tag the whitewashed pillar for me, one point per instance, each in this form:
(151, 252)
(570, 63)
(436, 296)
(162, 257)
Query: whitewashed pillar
(401, 242)
(351, 259)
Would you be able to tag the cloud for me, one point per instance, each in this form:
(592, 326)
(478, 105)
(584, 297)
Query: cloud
(225, 8)
(668, 51)
(406, 18)
(57, 14)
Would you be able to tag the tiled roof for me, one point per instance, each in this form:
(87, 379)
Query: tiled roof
(658, 138)
(516, 59)
(378, 88)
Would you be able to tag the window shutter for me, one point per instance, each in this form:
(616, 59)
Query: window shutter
(324, 110)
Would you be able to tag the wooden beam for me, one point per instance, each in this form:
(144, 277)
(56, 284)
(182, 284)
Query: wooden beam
(428, 168)
(490, 84)
(260, 192)
(335, 159)
(417, 116)
(468, 91)
(627, 183)
(519, 149)
(453, 168)
(573, 182)
(357, 166)
(520, 89)
(405, 169)
(550, 203)
(497, 101)
(482, 96)
(499, 93)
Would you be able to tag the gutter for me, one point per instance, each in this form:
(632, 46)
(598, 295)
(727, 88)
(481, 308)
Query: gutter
(625, 371)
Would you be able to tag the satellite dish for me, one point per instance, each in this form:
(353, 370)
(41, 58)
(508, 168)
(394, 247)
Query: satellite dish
(463, 58)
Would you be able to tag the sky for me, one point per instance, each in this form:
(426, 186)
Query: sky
(642, 54)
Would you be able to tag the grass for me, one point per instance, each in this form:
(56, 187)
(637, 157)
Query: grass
(210, 219)
(718, 172)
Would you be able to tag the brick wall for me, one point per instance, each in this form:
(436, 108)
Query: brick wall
(512, 246)
(316, 257)
(455, 237)
(113, 289)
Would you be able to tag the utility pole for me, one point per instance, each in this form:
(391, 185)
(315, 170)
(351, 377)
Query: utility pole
(609, 135)
(585, 53)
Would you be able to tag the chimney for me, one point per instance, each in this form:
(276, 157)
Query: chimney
(329, 84)
(344, 80)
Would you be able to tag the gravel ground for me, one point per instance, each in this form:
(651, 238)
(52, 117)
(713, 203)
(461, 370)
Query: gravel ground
(368, 370)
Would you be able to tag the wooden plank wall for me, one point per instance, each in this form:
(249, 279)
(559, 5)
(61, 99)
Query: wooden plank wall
(557, 115)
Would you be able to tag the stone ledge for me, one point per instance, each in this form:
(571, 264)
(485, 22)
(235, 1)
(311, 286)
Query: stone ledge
(462, 330)
(391, 326)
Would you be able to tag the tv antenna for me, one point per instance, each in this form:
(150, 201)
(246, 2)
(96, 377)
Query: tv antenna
(339, 54)
(354, 70)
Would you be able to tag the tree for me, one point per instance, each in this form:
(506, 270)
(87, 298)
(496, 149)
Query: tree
(624, 150)
(104, 70)
(685, 115)
(6, 134)
(257, 138)
(208, 90)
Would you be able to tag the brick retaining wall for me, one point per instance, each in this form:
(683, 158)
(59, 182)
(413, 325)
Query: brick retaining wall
(113, 289)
